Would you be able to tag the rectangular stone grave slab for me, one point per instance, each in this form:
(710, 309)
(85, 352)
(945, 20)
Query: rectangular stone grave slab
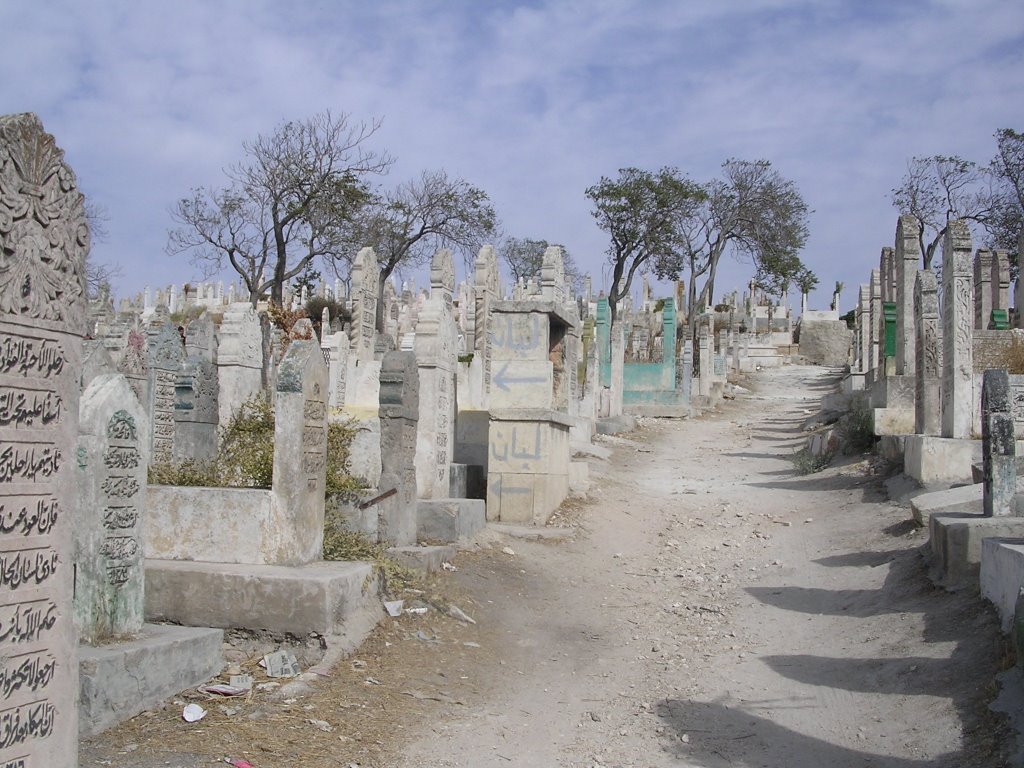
(955, 541)
(323, 597)
(964, 498)
(449, 520)
(121, 680)
(892, 421)
(930, 459)
(1002, 575)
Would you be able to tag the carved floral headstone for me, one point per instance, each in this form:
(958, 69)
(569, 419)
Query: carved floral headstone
(44, 239)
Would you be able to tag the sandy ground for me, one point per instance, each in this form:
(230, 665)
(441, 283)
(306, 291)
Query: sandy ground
(714, 608)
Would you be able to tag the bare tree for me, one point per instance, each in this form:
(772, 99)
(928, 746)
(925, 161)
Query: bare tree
(936, 190)
(1007, 219)
(408, 224)
(290, 202)
(99, 275)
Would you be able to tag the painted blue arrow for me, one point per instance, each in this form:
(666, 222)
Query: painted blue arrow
(502, 380)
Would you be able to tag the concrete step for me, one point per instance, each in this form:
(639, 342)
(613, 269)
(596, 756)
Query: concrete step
(964, 498)
(323, 597)
(120, 680)
(449, 520)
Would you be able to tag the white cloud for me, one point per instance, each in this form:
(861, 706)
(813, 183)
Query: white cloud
(531, 101)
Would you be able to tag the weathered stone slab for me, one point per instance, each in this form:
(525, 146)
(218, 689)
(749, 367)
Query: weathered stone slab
(930, 459)
(1002, 576)
(119, 681)
(957, 323)
(112, 456)
(449, 520)
(999, 463)
(955, 541)
(44, 239)
(320, 597)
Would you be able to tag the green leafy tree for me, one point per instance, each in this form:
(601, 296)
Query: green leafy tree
(753, 213)
(289, 203)
(407, 225)
(640, 211)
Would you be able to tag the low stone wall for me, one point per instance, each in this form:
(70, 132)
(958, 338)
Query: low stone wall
(216, 525)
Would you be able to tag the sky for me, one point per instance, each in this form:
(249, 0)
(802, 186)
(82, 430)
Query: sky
(533, 102)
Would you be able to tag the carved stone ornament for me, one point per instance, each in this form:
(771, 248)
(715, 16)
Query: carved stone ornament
(44, 237)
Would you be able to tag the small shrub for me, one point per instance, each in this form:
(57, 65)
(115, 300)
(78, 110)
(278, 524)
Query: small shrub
(189, 472)
(314, 308)
(342, 544)
(246, 457)
(807, 463)
(856, 432)
(340, 435)
(187, 315)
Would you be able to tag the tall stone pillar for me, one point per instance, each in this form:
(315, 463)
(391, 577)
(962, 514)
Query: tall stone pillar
(864, 329)
(44, 239)
(927, 406)
(999, 460)
(957, 337)
(908, 259)
(877, 323)
(982, 288)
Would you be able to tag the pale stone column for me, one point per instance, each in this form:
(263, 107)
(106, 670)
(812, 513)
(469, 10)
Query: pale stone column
(196, 411)
(399, 415)
(982, 288)
(436, 357)
(618, 369)
(111, 463)
(957, 320)
(365, 281)
(166, 360)
(239, 359)
(706, 364)
(1000, 280)
(864, 329)
(44, 240)
(487, 290)
(887, 274)
(300, 449)
(877, 323)
(927, 405)
(999, 460)
(907, 258)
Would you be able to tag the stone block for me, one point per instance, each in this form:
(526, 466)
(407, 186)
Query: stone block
(529, 447)
(892, 421)
(120, 680)
(449, 520)
(825, 342)
(965, 499)
(457, 479)
(323, 597)
(427, 559)
(510, 497)
(518, 336)
(579, 477)
(893, 392)
(365, 453)
(616, 425)
(522, 384)
(1002, 575)
(955, 541)
(930, 459)
(343, 509)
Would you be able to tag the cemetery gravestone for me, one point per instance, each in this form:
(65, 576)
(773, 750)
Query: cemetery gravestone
(44, 239)
(957, 322)
(111, 472)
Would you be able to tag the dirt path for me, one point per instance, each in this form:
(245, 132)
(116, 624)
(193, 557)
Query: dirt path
(722, 610)
(714, 609)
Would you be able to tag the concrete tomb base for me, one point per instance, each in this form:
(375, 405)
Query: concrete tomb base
(528, 468)
(322, 597)
(964, 498)
(120, 680)
(930, 459)
(449, 520)
(955, 539)
(467, 481)
(1002, 575)
(893, 392)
